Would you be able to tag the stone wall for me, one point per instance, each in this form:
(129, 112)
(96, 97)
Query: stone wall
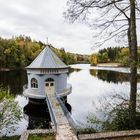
(116, 135)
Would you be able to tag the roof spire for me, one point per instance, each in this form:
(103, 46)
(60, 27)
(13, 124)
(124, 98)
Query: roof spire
(47, 40)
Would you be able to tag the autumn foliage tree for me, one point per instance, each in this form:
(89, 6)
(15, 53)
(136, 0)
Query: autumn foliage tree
(94, 59)
(18, 52)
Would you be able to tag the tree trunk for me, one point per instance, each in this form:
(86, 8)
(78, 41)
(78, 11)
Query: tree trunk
(133, 65)
(129, 38)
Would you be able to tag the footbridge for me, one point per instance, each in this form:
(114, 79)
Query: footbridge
(60, 118)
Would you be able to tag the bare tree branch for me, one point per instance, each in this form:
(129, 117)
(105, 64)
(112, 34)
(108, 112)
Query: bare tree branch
(105, 40)
(122, 11)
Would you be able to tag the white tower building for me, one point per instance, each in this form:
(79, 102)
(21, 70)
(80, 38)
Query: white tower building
(47, 74)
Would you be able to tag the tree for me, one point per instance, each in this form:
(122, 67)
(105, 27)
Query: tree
(132, 35)
(103, 57)
(124, 56)
(115, 113)
(93, 59)
(111, 54)
(10, 112)
(116, 18)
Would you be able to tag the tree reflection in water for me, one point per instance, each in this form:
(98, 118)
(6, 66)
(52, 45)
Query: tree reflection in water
(13, 80)
(110, 76)
(38, 116)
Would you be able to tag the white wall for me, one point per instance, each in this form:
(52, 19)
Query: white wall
(60, 81)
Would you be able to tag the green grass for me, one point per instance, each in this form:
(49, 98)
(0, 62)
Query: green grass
(10, 138)
(41, 137)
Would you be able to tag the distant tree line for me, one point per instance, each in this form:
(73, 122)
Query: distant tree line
(70, 58)
(18, 52)
(111, 55)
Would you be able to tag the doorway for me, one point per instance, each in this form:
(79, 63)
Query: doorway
(49, 86)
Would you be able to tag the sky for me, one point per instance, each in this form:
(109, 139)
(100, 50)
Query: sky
(42, 19)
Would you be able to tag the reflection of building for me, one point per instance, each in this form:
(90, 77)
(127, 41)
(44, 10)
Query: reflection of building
(37, 116)
(46, 74)
(67, 105)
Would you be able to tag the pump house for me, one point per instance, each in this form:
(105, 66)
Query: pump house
(47, 74)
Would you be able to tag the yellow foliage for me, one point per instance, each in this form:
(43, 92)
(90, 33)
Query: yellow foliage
(93, 59)
(7, 51)
(124, 51)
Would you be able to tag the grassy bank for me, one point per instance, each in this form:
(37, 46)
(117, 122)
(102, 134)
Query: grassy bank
(41, 137)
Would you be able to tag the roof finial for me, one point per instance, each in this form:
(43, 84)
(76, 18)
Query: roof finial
(47, 40)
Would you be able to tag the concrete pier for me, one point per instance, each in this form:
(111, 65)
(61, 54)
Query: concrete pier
(63, 128)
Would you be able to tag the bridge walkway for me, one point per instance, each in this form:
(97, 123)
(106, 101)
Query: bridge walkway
(63, 128)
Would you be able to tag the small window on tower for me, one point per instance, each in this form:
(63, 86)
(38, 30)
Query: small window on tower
(52, 84)
(34, 83)
(47, 84)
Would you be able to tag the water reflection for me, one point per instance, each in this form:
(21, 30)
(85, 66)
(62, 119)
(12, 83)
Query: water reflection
(106, 75)
(13, 80)
(90, 85)
(71, 70)
(110, 76)
(67, 105)
(37, 115)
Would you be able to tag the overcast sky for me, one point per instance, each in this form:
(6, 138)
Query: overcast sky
(40, 19)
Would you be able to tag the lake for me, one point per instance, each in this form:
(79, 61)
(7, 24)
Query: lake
(89, 86)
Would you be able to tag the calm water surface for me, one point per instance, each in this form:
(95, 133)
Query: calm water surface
(89, 85)
(92, 85)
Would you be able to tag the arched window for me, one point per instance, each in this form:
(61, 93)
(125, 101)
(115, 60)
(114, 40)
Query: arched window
(49, 80)
(34, 83)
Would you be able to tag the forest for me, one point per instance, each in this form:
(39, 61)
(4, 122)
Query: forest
(112, 55)
(18, 52)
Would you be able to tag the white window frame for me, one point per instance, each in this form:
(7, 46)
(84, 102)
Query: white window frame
(34, 83)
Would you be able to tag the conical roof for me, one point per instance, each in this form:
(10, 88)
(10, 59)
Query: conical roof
(47, 59)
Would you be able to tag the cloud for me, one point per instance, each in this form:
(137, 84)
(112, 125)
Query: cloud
(41, 19)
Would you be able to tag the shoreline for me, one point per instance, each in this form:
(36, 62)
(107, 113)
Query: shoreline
(109, 65)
